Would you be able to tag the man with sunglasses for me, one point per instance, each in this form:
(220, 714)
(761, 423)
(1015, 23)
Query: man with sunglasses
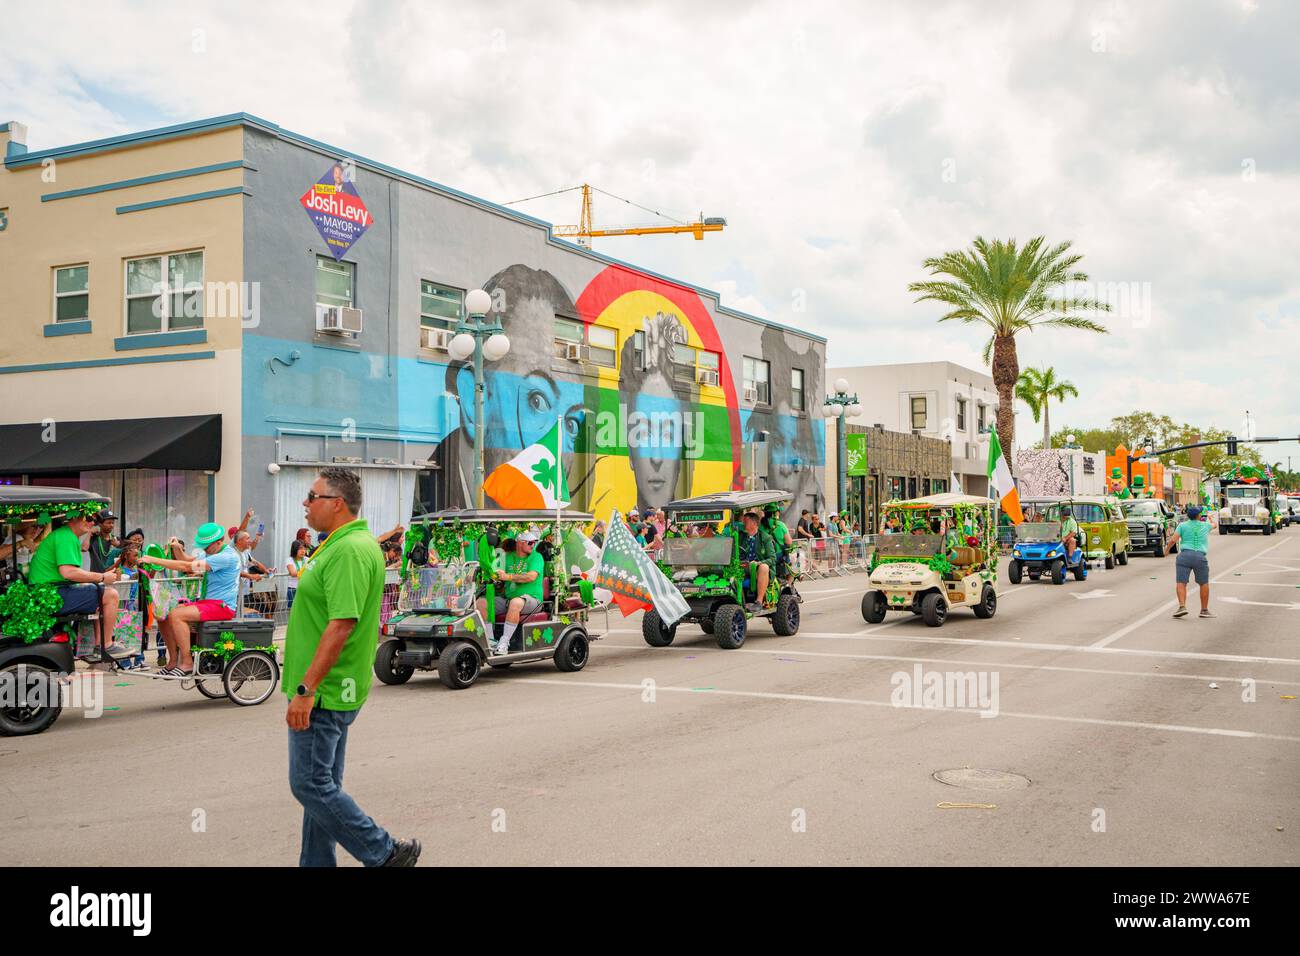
(329, 648)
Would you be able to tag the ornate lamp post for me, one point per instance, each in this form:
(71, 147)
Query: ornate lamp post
(842, 406)
(483, 340)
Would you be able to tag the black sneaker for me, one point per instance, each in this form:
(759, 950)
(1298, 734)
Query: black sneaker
(405, 853)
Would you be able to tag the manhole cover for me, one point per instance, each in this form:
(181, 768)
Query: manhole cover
(969, 779)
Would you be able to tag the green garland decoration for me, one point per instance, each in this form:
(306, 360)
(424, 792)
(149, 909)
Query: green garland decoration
(27, 610)
(43, 511)
(228, 647)
(940, 564)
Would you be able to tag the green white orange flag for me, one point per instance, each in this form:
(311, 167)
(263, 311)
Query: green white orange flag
(534, 478)
(1001, 484)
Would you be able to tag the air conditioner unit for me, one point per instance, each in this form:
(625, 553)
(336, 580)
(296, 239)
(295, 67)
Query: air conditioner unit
(431, 338)
(338, 319)
(751, 395)
(577, 353)
(708, 376)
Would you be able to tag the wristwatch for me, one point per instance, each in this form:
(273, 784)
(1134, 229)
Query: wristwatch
(302, 691)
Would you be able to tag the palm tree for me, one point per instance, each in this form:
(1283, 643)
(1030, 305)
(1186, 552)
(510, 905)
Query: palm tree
(1010, 290)
(1038, 386)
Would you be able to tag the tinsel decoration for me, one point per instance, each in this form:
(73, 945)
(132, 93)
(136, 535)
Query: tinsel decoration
(27, 610)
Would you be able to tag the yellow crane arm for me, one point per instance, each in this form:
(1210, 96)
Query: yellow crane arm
(697, 229)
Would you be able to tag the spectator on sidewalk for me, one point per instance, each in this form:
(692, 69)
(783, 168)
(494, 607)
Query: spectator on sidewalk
(298, 554)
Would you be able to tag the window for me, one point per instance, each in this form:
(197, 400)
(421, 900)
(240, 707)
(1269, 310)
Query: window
(335, 282)
(796, 390)
(164, 293)
(756, 380)
(72, 293)
(440, 306)
(961, 414)
(638, 350)
(710, 362)
(918, 413)
(684, 363)
(604, 345)
(981, 416)
(567, 332)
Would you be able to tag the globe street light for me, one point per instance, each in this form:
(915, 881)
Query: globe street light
(842, 406)
(479, 340)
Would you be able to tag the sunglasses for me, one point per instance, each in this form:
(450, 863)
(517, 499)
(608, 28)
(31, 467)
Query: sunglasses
(312, 496)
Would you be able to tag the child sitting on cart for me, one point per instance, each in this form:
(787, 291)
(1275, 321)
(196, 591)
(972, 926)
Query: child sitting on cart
(220, 567)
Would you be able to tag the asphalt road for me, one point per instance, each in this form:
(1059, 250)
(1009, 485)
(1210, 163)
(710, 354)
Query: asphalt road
(788, 751)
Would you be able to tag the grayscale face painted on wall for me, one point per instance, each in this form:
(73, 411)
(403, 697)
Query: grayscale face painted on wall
(658, 411)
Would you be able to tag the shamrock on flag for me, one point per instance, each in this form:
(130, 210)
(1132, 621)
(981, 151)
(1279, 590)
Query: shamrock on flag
(633, 578)
(534, 478)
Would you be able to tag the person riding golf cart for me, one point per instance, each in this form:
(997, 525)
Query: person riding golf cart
(738, 574)
(944, 556)
(1096, 521)
(462, 602)
(1040, 548)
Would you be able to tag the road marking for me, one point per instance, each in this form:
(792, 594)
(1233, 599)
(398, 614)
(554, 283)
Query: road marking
(1260, 584)
(1236, 600)
(1095, 593)
(818, 699)
(966, 662)
(1170, 605)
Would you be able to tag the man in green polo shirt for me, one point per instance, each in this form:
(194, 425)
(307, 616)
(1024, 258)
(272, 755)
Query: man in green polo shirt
(523, 572)
(57, 562)
(328, 652)
(1069, 532)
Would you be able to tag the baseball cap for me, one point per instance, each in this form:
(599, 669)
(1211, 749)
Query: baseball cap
(105, 515)
(208, 533)
(1193, 511)
(530, 536)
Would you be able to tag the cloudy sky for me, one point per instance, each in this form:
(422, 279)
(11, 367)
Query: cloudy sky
(843, 142)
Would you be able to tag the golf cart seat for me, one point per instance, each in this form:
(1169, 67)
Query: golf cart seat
(965, 557)
(536, 617)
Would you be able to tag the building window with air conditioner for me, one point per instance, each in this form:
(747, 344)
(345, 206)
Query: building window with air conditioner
(918, 413)
(164, 293)
(797, 401)
(708, 369)
(758, 389)
(336, 311)
(570, 340)
(604, 345)
(441, 309)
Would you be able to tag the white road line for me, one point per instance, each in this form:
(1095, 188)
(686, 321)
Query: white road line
(816, 699)
(1170, 605)
(966, 663)
(1261, 584)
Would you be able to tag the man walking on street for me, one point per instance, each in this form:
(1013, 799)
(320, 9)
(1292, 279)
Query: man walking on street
(328, 651)
(1193, 540)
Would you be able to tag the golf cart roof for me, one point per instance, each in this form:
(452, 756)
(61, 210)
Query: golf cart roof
(729, 500)
(947, 499)
(497, 515)
(17, 499)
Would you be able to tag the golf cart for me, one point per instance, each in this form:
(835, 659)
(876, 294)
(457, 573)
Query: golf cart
(710, 576)
(447, 564)
(928, 571)
(36, 652)
(1039, 549)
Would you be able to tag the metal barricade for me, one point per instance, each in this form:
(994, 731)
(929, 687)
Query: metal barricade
(273, 596)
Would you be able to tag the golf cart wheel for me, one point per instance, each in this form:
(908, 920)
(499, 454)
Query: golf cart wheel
(654, 631)
(250, 678)
(1081, 570)
(1014, 572)
(1159, 550)
(386, 667)
(1122, 557)
(32, 716)
(988, 605)
(785, 619)
(933, 611)
(458, 665)
(706, 623)
(729, 626)
(205, 664)
(1058, 571)
(572, 652)
(1111, 561)
(873, 607)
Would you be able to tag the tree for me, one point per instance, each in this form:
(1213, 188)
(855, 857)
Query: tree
(1038, 386)
(1010, 290)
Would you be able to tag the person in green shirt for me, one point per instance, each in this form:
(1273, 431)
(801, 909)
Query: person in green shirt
(329, 648)
(780, 534)
(1193, 538)
(57, 562)
(1069, 532)
(757, 552)
(523, 572)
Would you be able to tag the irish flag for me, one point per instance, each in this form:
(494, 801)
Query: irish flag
(534, 478)
(1000, 482)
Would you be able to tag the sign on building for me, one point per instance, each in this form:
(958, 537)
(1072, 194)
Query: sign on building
(336, 208)
(855, 454)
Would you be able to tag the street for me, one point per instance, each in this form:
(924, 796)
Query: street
(787, 751)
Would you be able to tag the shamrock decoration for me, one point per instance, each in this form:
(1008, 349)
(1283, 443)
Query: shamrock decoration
(548, 636)
(544, 473)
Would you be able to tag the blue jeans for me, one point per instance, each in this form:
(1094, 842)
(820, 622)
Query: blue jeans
(330, 817)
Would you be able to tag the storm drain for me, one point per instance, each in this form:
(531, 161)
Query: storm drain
(973, 779)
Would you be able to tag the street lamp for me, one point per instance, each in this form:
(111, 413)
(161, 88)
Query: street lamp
(482, 340)
(1072, 445)
(842, 406)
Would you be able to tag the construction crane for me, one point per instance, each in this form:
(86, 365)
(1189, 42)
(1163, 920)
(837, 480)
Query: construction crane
(584, 231)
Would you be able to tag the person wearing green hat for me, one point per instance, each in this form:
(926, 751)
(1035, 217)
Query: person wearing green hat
(220, 569)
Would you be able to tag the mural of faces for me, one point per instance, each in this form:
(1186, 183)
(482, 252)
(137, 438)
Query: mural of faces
(657, 417)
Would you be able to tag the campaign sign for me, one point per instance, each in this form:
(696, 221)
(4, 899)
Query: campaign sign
(334, 206)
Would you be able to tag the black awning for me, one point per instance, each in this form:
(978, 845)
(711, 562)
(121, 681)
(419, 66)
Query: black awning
(189, 443)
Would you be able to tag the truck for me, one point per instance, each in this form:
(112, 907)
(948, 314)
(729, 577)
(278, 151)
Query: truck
(1247, 503)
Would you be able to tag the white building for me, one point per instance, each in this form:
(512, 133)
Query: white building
(935, 399)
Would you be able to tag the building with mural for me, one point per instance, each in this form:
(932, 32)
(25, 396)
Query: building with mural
(244, 303)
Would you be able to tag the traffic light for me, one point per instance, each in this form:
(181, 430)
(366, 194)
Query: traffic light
(1232, 446)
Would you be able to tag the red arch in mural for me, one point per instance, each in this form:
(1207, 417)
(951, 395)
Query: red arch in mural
(615, 281)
